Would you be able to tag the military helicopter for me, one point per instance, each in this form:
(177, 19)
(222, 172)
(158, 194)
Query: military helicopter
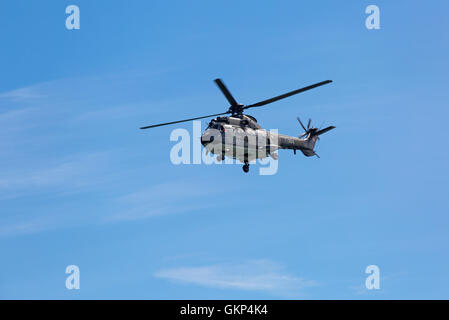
(240, 136)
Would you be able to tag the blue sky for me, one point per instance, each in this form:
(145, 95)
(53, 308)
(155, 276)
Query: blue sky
(80, 184)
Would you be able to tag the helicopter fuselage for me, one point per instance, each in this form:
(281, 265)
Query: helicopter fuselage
(241, 137)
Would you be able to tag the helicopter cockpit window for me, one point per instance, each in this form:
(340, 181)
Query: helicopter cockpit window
(214, 125)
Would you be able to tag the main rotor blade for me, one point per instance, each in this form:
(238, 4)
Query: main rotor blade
(301, 124)
(285, 95)
(226, 92)
(185, 120)
(308, 124)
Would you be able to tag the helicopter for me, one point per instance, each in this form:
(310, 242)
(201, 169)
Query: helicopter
(240, 137)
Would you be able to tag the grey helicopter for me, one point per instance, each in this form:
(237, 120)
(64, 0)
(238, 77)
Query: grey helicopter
(240, 137)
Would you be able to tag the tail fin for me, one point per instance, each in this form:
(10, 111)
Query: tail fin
(312, 138)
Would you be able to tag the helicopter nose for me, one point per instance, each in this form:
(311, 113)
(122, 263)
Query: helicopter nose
(205, 139)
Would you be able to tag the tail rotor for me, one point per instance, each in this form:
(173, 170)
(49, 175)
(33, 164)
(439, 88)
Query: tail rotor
(308, 131)
(311, 135)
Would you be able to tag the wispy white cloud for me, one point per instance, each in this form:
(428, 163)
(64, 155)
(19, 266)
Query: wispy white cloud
(25, 227)
(255, 275)
(54, 145)
(141, 212)
(58, 179)
(22, 94)
(167, 191)
(78, 176)
(71, 172)
(15, 114)
(163, 198)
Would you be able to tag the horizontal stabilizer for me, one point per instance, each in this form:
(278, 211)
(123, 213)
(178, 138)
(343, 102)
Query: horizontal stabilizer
(324, 130)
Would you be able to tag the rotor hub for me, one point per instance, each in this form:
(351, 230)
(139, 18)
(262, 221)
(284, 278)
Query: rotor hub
(236, 109)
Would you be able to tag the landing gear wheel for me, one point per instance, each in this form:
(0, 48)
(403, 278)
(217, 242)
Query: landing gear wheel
(246, 167)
